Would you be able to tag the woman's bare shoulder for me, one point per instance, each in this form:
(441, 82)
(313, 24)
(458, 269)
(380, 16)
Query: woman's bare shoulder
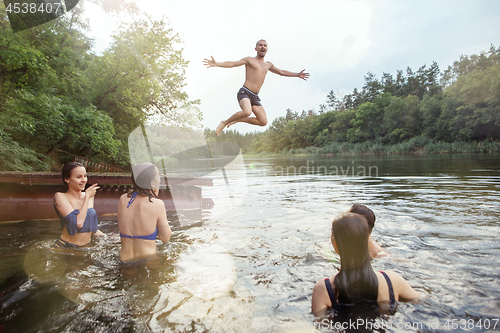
(401, 287)
(124, 198)
(320, 285)
(320, 298)
(393, 275)
(60, 196)
(158, 203)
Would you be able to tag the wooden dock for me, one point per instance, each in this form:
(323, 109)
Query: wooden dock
(29, 195)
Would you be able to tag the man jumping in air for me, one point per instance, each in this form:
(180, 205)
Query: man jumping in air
(256, 70)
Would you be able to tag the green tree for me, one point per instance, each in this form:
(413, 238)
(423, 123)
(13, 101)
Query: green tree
(46, 123)
(15, 157)
(278, 124)
(470, 64)
(476, 90)
(141, 76)
(369, 119)
(42, 81)
(402, 119)
(372, 88)
(55, 93)
(343, 122)
(431, 108)
(290, 115)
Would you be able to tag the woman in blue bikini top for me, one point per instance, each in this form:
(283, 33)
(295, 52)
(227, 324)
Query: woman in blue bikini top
(142, 215)
(356, 280)
(75, 208)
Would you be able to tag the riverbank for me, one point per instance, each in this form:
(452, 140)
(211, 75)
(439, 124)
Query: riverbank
(417, 145)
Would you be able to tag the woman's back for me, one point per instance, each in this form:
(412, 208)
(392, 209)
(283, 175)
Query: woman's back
(141, 220)
(400, 287)
(397, 287)
(357, 281)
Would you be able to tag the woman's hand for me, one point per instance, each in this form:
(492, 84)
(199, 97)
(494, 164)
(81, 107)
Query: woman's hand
(91, 190)
(99, 233)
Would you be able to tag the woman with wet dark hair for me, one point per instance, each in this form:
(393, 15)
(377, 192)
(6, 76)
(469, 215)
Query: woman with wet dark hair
(142, 217)
(357, 281)
(75, 208)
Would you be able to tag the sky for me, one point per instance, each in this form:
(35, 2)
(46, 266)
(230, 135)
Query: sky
(337, 41)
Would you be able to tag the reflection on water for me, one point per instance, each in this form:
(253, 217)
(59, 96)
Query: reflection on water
(252, 268)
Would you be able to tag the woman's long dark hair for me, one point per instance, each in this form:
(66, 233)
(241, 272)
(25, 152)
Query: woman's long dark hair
(144, 174)
(356, 280)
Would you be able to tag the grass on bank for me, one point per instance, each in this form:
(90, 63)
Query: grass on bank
(416, 145)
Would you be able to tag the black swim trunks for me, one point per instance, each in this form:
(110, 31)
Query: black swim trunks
(244, 92)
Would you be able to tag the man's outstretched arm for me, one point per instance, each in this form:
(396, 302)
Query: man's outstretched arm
(301, 74)
(225, 64)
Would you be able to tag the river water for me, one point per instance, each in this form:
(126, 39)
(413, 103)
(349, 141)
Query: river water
(249, 263)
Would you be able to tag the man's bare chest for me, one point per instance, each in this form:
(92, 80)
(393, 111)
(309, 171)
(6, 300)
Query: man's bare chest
(258, 68)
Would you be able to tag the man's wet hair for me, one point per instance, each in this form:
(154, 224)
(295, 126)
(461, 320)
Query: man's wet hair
(366, 212)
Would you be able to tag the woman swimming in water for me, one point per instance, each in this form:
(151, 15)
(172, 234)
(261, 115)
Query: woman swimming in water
(142, 216)
(356, 280)
(75, 208)
(375, 250)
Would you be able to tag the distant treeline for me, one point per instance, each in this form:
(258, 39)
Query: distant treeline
(458, 110)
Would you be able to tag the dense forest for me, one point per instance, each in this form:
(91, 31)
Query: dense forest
(455, 110)
(59, 98)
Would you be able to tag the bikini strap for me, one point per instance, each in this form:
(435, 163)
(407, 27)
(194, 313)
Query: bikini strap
(132, 198)
(331, 294)
(391, 289)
